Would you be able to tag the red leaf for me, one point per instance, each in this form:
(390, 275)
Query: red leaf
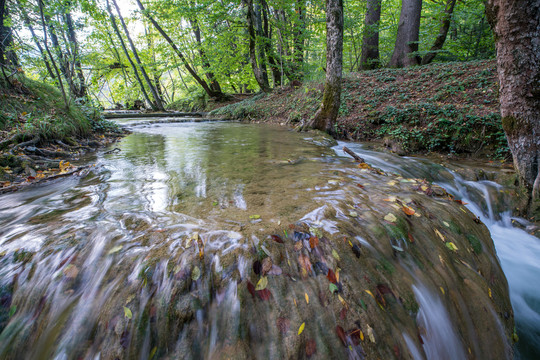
(311, 347)
(341, 335)
(411, 239)
(331, 276)
(283, 324)
(264, 294)
(251, 288)
(360, 186)
(343, 313)
(313, 242)
(277, 239)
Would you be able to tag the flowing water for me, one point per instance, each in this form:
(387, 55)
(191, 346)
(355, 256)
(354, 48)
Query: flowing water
(160, 251)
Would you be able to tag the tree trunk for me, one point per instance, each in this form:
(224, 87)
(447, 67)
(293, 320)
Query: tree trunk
(30, 28)
(407, 35)
(326, 116)
(210, 76)
(261, 59)
(370, 41)
(123, 44)
(443, 32)
(516, 26)
(45, 42)
(267, 31)
(297, 65)
(80, 89)
(204, 85)
(157, 104)
(8, 57)
(257, 71)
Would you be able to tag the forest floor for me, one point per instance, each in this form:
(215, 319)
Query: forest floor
(41, 137)
(450, 109)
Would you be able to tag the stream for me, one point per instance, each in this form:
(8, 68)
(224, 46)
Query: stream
(218, 240)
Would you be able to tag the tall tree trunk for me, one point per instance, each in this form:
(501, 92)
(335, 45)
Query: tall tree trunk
(204, 85)
(210, 76)
(158, 104)
(443, 32)
(126, 52)
(51, 58)
(326, 116)
(8, 57)
(370, 41)
(297, 65)
(261, 56)
(272, 59)
(516, 26)
(30, 28)
(407, 35)
(80, 89)
(257, 71)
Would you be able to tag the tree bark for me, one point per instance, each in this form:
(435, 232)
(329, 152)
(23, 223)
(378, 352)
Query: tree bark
(407, 35)
(8, 57)
(516, 26)
(204, 85)
(443, 32)
(80, 89)
(272, 59)
(326, 116)
(123, 45)
(370, 41)
(157, 104)
(257, 71)
(297, 65)
(210, 76)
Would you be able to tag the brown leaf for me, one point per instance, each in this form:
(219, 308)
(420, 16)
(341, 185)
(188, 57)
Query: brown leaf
(305, 264)
(343, 313)
(407, 210)
(251, 288)
(311, 347)
(331, 276)
(313, 242)
(461, 202)
(411, 239)
(341, 334)
(277, 239)
(283, 324)
(264, 294)
(266, 265)
(298, 245)
(360, 186)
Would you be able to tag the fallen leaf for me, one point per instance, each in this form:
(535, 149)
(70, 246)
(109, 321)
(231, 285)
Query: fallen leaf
(411, 239)
(305, 265)
(489, 292)
(341, 334)
(342, 301)
(363, 166)
(370, 334)
(408, 210)
(71, 271)
(333, 288)
(390, 218)
(451, 246)
(283, 324)
(275, 270)
(313, 242)
(370, 293)
(257, 267)
(298, 245)
(195, 273)
(115, 249)
(440, 235)
(353, 214)
(331, 276)
(335, 254)
(251, 288)
(262, 283)
(266, 265)
(128, 313)
(264, 294)
(307, 297)
(277, 239)
(461, 202)
(254, 217)
(311, 347)
(301, 329)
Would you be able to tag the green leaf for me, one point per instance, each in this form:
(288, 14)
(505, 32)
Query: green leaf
(12, 310)
(333, 288)
(451, 246)
(254, 217)
(127, 313)
(195, 273)
(335, 254)
(262, 283)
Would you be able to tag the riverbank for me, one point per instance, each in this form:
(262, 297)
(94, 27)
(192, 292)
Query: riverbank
(450, 109)
(41, 137)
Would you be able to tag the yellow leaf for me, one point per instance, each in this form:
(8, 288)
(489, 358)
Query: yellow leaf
(335, 254)
(370, 293)
(489, 292)
(295, 302)
(390, 199)
(440, 235)
(408, 210)
(451, 246)
(392, 183)
(370, 334)
(361, 336)
(262, 283)
(342, 301)
(390, 217)
(307, 297)
(301, 328)
(442, 290)
(128, 313)
(350, 243)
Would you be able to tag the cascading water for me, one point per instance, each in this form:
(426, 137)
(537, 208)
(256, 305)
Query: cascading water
(517, 250)
(226, 240)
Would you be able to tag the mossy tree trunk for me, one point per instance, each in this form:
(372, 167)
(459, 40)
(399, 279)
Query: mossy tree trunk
(258, 67)
(8, 57)
(326, 116)
(516, 26)
(407, 35)
(370, 41)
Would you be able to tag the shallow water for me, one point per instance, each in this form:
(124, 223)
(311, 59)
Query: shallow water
(148, 254)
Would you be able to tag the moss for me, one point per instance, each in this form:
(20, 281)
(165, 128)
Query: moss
(475, 243)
